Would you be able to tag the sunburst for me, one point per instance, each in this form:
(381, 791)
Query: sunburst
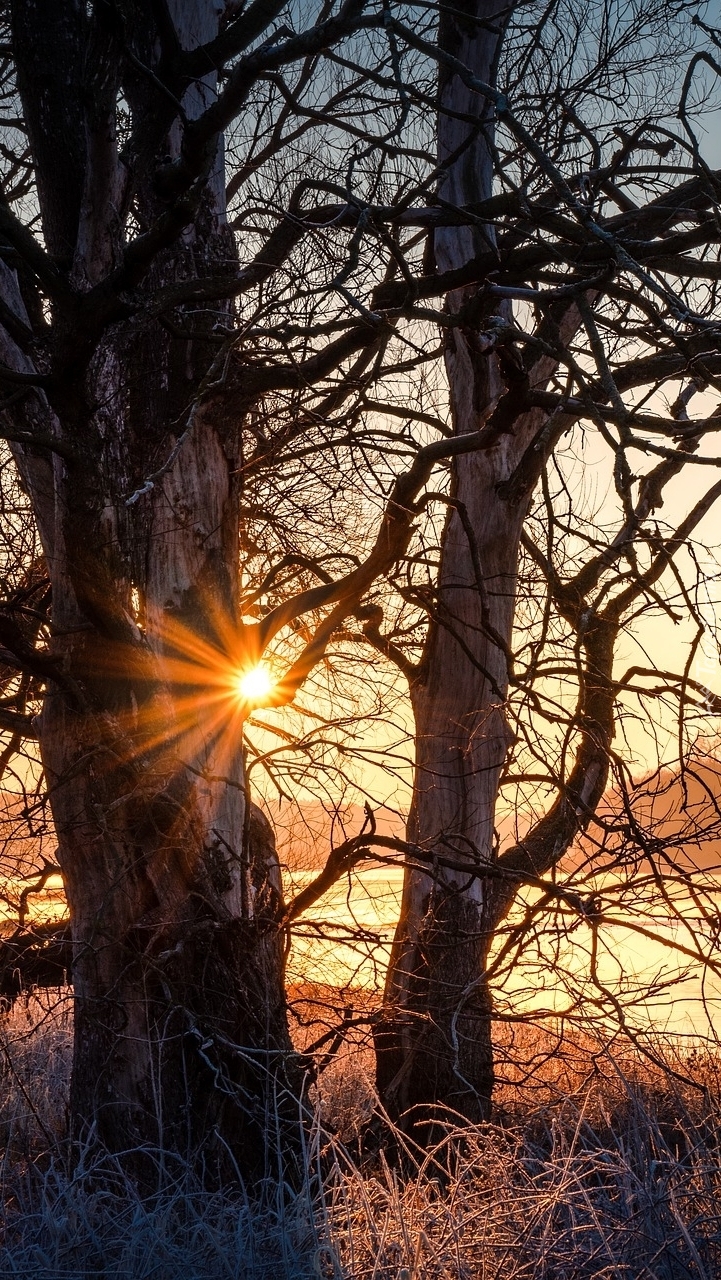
(254, 684)
(192, 693)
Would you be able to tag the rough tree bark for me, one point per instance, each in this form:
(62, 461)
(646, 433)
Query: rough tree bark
(434, 1041)
(430, 1048)
(181, 1033)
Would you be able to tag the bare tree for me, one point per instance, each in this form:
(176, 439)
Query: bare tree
(169, 359)
(216, 286)
(585, 313)
(133, 381)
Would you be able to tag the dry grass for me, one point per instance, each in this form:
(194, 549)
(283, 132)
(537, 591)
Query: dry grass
(600, 1167)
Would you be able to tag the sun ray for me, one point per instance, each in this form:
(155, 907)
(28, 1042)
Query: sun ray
(193, 691)
(254, 684)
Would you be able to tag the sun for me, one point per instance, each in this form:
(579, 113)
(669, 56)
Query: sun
(254, 684)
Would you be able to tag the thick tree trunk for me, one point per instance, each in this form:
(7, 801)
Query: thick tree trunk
(181, 1038)
(434, 1041)
(434, 1044)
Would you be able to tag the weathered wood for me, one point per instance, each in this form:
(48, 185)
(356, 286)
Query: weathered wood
(434, 1043)
(177, 963)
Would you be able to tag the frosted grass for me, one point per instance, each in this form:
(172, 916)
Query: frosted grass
(627, 1188)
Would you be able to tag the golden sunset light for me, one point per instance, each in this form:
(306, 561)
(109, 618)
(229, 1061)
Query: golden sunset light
(254, 684)
(360, 638)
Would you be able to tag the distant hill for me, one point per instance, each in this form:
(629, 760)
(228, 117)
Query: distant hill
(678, 815)
(305, 834)
(681, 813)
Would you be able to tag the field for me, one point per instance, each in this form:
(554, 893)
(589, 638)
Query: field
(603, 1166)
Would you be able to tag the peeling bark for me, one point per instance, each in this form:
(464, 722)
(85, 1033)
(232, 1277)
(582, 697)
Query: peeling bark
(172, 880)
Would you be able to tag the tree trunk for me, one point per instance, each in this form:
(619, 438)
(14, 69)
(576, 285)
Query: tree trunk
(181, 1039)
(434, 1043)
(434, 1040)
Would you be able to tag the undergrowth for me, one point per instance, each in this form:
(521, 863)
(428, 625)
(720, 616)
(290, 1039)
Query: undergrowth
(598, 1166)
